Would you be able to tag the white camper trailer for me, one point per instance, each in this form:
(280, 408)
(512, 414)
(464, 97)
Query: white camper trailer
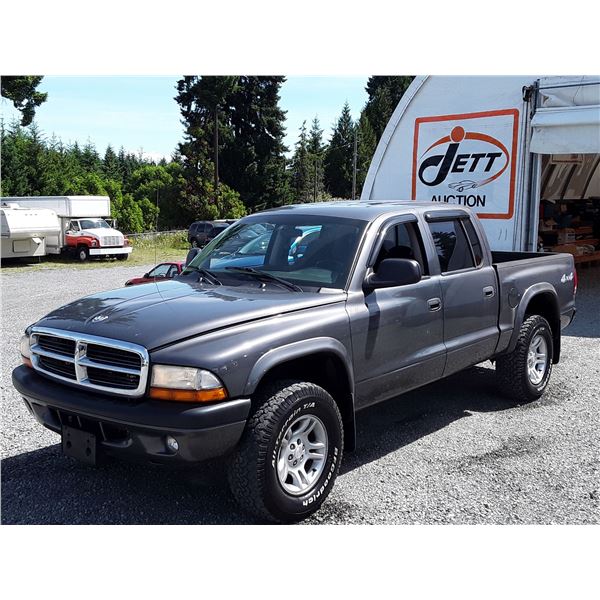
(25, 230)
(83, 229)
(523, 152)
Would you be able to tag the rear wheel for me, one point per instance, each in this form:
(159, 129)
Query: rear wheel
(525, 372)
(83, 253)
(122, 256)
(290, 453)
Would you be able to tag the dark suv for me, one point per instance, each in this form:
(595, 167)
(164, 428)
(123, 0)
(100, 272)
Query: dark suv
(202, 232)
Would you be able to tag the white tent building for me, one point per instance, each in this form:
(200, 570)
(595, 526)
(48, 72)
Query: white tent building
(523, 152)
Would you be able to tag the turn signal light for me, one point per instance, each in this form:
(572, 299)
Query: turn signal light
(211, 395)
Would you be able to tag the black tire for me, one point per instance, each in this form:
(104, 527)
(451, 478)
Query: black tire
(512, 369)
(83, 253)
(253, 474)
(122, 256)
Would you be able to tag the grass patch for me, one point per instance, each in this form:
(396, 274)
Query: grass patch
(146, 251)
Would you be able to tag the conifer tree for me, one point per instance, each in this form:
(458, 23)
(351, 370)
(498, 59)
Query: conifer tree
(316, 151)
(384, 92)
(338, 157)
(301, 168)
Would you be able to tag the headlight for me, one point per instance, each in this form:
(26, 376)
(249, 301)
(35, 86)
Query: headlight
(185, 384)
(25, 347)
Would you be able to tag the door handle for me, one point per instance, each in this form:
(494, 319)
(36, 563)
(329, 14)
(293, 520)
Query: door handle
(434, 304)
(489, 291)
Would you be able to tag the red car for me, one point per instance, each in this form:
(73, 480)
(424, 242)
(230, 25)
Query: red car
(166, 270)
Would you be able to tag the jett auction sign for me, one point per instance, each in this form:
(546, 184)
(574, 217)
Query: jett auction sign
(467, 159)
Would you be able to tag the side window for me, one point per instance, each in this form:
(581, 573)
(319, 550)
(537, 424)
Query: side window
(159, 271)
(474, 240)
(74, 226)
(402, 240)
(451, 245)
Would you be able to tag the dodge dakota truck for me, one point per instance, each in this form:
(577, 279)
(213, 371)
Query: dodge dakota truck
(267, 360)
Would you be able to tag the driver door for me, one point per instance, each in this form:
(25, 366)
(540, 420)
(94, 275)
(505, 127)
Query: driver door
(398, 334)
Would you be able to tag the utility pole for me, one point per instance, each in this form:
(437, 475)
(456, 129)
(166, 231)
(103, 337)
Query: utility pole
(216, 153)
(354, 159)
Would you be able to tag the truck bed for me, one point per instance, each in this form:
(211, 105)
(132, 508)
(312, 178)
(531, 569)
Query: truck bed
(520, 271)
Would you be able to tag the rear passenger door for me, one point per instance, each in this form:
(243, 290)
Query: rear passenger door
(469, 291)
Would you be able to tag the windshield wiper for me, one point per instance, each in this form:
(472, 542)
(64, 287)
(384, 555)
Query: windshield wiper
(266, 277)
(204, 274)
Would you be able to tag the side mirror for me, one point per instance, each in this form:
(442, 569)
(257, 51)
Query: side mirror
(191, 255)
(393, 272)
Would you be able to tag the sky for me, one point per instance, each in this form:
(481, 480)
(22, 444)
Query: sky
(141, 113)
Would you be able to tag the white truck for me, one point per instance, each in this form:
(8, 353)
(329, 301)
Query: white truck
(25, 230)
(522, 152)
(83, 230)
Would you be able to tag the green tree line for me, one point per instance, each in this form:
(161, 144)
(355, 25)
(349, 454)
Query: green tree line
(231, 161)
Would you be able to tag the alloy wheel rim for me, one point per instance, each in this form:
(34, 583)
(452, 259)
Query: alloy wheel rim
(537, 359)
(302, 455)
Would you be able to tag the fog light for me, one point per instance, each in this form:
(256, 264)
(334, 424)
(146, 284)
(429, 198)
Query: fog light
(172, 444)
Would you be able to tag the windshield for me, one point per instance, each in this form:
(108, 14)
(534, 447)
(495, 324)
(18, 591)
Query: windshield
(93, 224)
(306, 250)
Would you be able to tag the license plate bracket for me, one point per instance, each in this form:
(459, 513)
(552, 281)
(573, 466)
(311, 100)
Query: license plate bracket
(79, 444)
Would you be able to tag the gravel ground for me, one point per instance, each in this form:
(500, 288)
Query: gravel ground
(453, 452)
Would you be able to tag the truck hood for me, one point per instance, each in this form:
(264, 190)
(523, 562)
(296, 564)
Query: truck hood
(101, 232)
(158, 314)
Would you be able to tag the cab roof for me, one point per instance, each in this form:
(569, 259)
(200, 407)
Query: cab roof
(365, 210)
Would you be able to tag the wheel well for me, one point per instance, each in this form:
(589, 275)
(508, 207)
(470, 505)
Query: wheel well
(545, 305)
(328, 371)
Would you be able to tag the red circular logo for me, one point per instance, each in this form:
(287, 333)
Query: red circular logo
(457, 134)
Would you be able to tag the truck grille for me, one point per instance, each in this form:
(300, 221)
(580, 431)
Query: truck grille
(90, 361)
(112, 240)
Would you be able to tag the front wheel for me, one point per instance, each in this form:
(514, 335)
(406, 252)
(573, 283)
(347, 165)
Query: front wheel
(524, 373)
(290, 453)
(83, 253)
(122, 256)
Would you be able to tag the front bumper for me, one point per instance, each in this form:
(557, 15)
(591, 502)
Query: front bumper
(110, 251)
(135, 429)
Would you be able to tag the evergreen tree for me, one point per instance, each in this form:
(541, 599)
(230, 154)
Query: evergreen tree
(21, 90)
(301, 168)
(253, 156)
(384, 94)
(14, 156)
(251, 131)
(316, 151)
(366, 145)
(338, 157)
(195, 150)
(110, 164)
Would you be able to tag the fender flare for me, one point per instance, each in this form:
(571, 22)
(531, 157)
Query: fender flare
(300, 349)
(535, 290)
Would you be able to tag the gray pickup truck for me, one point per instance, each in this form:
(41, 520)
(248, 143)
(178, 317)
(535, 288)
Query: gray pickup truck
(280, 330)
